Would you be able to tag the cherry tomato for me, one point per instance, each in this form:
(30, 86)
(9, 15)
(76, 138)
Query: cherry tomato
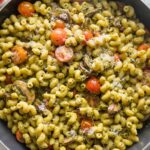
(59, 24)
(116, 58)
(8, 79)
(19, 137)
(26, 9)
(1, 1)
(19, 54)
(88, 35)
(58, 36)
(144, 46)
(64, 54)
(86, 124)
(93, 85)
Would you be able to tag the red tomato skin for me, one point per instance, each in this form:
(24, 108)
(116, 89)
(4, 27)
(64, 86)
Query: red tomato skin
(86, 124)
(93, 85)
(19, 137)
(58, 36)
(59, 24)
(116, 58)
(20, 55)
(64, 54)
(144, 46)
(1, 1)
(26, 9)
(88, 35)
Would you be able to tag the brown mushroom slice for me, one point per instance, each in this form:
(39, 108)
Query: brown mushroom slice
(92, 100)
(65, 16)
(68, 140)
(24, 89)
(120, 5)
(86, 70)
(92, 12)
(88, 61)
(146, 77)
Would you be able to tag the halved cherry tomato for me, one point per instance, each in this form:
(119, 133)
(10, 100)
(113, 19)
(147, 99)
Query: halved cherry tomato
(59, 24)
(8, 79)
(64, 54)
(93, 85)
(116, 57)
(19, 137)
(26, 9)
(58, 36)
(1, 1)
(88, 35)
(86, 124)
(144, 46)
(19, 54)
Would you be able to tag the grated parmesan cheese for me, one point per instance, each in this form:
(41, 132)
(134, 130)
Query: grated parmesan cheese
(42, 107)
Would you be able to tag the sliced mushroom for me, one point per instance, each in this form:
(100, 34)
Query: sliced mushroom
(54, 6)
(88, 61)
(59, 13)
(146, 77)
(117, 22)
(22, 86)
(86, 70)
(113, 108)
(65, 16)
(68, 140)
(92, 100)
(120, 5)
(92, 12)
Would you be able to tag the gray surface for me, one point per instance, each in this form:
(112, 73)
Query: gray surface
(8, 140)
(142, 10)
(147, 2)
(3, 146)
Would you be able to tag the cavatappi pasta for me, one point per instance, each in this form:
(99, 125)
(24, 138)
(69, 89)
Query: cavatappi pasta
(75, 75)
